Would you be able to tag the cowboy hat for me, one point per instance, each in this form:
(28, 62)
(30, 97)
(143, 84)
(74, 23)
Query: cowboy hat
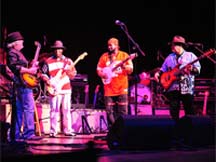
(58, 45)
(14, 36)
(178, 40)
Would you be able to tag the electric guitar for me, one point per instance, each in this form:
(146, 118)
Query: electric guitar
(95, 95)
(110, 70)
(206, 95)
(167, 78)
(56, 85)
(31, 80)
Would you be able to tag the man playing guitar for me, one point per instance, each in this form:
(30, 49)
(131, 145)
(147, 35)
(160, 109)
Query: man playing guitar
(177, 76)
(57, 72)
(114, 67)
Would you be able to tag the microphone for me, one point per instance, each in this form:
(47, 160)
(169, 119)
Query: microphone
(194, 44)
(118, 22)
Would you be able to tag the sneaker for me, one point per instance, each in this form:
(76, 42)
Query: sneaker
(70, 134)
(52, 135)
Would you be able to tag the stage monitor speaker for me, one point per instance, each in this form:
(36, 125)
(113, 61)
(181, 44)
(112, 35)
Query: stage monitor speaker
(141, 132)
(197, 131)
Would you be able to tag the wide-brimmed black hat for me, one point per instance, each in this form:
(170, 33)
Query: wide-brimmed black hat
(14, 36)
(58, 45)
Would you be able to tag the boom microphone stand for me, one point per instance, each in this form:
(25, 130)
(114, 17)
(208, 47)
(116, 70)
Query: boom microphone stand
(136, 46)
(202, 52)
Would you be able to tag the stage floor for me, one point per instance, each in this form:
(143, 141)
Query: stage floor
(93, 147)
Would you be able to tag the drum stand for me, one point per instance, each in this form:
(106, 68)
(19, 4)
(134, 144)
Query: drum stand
(158, 99)
(43, 98)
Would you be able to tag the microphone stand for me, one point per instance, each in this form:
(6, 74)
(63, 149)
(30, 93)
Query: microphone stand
(201, 51)
(124, 28)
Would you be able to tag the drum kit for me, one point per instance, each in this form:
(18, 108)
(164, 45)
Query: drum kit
(147, 91)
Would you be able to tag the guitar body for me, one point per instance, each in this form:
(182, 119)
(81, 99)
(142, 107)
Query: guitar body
(110, 74)
(167, 78)
(56, 86)
(111, 70)
(30, 80)
(51, 90)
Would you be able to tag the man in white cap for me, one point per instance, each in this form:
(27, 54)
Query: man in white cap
(177, 76)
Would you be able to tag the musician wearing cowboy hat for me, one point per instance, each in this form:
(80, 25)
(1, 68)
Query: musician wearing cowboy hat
(177, 77)
(23, 108)
(57, 72)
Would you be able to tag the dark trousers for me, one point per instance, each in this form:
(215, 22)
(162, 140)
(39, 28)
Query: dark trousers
(115, 107)
(175, 99)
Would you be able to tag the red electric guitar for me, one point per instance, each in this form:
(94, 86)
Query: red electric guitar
(167, 78)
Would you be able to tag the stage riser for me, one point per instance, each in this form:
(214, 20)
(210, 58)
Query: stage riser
(96, 119)
(146, 109)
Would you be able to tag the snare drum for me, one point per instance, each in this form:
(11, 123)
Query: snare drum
(143, 94)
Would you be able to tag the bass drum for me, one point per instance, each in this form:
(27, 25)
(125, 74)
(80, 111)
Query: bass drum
(143, 94)
(36, 92)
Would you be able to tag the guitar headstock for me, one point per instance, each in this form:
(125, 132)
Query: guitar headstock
(210, 52)
(37, 44)
(133, 55)
(81, 57)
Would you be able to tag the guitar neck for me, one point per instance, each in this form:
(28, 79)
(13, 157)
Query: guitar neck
(206, 54)
(76, 61)
(80, 58)
(37, 52)
(191, 63)
(120, 64)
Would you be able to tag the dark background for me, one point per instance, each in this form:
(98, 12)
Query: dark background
(85, 26)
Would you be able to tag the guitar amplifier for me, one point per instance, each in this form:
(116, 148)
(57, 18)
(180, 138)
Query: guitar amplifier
(79, 80)
(205, 96)
(205, 86)
(80, 91)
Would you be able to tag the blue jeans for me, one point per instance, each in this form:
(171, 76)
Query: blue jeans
(24, 113)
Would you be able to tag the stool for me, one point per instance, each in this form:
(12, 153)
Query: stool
(37, 122)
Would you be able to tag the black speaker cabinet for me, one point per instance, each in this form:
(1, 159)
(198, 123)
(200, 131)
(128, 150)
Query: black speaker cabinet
(80, 94)
(196, 130)
(141, 132)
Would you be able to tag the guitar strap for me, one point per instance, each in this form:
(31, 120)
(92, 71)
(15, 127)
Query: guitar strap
(177, 57)
(110, 57)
